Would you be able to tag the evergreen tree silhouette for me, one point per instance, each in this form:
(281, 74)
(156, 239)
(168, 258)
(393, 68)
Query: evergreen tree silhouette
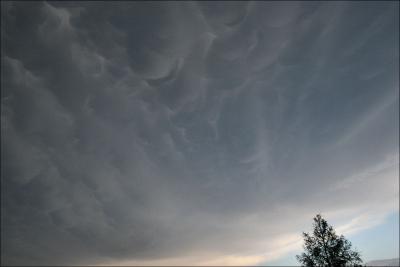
(325, 248)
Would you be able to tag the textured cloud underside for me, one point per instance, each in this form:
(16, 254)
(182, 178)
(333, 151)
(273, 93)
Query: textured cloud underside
(192, 133)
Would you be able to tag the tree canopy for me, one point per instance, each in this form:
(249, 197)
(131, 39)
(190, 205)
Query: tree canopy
(325, 248)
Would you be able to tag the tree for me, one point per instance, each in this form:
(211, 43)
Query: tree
(325, 248)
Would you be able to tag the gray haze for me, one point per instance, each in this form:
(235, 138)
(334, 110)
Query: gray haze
(388, 262)
(143, 131)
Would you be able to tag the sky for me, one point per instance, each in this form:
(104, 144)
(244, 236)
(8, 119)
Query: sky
(196, 133)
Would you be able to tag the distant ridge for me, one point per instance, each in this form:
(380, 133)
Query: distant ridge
(387, 262)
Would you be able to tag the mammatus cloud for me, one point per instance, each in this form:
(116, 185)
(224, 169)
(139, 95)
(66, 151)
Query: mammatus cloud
(200, 133)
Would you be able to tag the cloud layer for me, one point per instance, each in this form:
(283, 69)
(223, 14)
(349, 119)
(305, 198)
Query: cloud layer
(192, 133)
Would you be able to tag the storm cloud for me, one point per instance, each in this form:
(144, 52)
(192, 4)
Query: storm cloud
(192, 132)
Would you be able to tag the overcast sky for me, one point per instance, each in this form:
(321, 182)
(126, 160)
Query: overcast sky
(194, 133)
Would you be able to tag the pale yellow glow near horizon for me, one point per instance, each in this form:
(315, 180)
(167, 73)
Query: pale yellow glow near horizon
(268, 249)
(283, 245)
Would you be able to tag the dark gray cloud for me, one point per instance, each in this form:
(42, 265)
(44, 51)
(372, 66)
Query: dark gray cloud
(144, 131)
